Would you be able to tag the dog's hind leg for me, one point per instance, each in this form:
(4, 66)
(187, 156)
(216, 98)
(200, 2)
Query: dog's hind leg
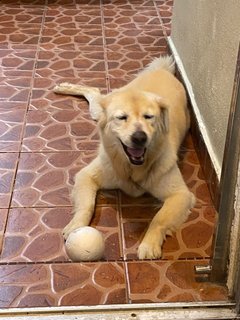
(92, 94)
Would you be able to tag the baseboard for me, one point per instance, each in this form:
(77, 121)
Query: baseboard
(207, 158)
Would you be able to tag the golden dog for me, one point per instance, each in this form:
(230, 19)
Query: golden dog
(141, 127)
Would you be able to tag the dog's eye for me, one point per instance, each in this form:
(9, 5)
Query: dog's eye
(148, 116)
(122, 117)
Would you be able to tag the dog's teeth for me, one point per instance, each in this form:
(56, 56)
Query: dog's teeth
(137, 158)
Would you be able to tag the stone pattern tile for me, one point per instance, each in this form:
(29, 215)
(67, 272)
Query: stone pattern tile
(46, 138)
(8, 164)
(35, 234)
(167, 281)
(44, 285)
(45, 179)
(192, 240)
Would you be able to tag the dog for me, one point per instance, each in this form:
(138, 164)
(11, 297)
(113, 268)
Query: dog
(141, 127)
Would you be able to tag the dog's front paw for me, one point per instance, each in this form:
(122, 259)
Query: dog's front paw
(73, 225)
(149, 251)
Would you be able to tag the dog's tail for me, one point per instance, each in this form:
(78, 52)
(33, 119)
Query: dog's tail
(164, 62)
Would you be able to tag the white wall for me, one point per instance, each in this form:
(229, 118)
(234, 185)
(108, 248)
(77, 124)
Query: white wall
(206, 35)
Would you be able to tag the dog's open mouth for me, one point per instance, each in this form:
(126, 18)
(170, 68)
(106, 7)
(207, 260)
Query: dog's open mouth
(135, 155)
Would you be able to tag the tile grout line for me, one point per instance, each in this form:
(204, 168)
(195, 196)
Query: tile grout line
(69, 262)
(104, 47)
(23, 127)
(160, 20)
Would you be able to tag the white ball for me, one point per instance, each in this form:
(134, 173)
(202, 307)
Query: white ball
(85, 244)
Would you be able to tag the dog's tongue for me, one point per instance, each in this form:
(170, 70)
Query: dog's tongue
(135, 152)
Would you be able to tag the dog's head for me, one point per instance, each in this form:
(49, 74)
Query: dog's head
(134, 120)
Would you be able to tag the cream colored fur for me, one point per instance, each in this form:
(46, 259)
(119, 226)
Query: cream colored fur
(153, 103)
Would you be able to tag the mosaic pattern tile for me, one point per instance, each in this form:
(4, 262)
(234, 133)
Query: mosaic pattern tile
(66, 29)
(44, 285)
(11, 125)
(8, 164)
(59, 131)
(3, 220)
(68, 17)
(46, 138)
(15, 88)
(164, 8)
(191, 170)
(45, 179)
(136, 40)
(125, 63)
(70, 64)
(35, 234)
(20, 26)
(17, 63)
(168, 281)
(129, 14)
(192, 240)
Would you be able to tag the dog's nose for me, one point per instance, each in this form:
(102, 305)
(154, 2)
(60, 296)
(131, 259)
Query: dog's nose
(139, 138)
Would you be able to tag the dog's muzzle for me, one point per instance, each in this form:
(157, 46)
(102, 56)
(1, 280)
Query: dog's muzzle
(137, 150)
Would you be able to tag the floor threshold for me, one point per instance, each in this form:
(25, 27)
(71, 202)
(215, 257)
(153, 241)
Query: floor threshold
(156, 311)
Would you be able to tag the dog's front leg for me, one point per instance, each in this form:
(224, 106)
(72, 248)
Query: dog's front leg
(174, 212)
(87, 183)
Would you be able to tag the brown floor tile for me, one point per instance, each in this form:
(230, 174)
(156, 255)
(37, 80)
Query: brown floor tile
(3, 220)
(192, 173)
(42, 285)
(66, 29)
(23, 2)
(11, 127)
(20, 26)
(192, 240)
(60, 130)
(15, 89)
(164, 9)
(35, 234)
(68, 17)
(130, 14)
(8, 164)
(45, 179)
(125, 63)
(136, 40)
(187, 144)
(71, 64)
(170, 281)
(16, 63)
(107, 197)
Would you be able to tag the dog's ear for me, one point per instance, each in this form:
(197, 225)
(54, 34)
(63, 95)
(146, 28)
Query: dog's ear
(163, 108)
(164, 116)
(96, 109)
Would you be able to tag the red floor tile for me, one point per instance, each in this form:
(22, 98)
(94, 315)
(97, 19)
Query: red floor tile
(170, 281)
(45, 179)
(8, 164)
(42, 285)
(17, 63)
(35, 234)
(60, 130)
(193, 239)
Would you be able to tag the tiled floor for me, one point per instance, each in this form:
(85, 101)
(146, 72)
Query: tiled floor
(46, 138)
